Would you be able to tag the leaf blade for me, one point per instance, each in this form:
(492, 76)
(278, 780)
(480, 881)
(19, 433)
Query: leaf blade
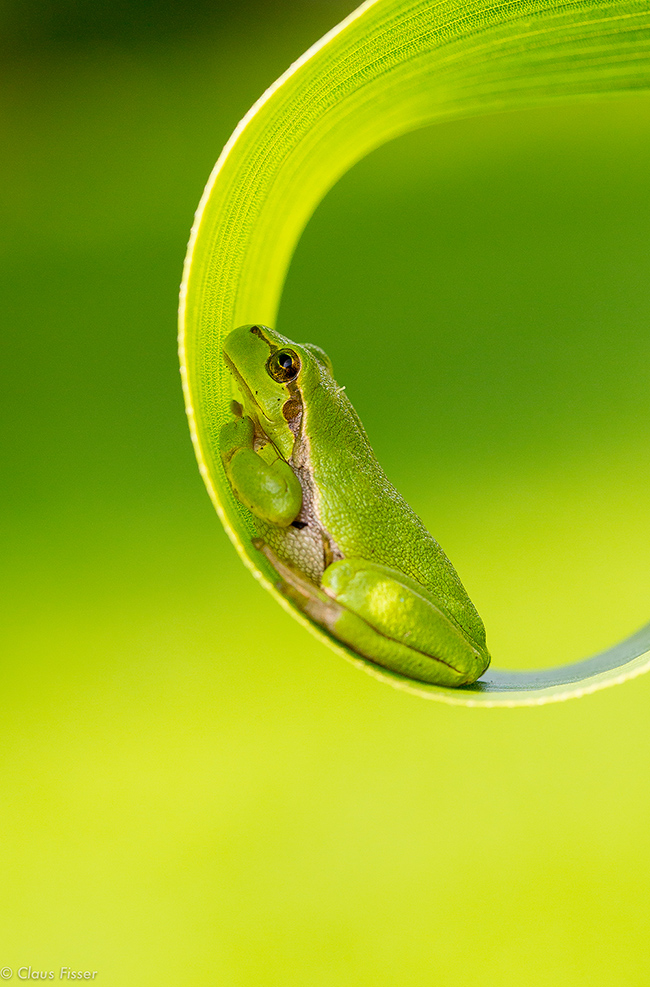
(390, 67)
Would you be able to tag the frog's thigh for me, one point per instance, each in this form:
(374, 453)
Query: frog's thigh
(390, 623)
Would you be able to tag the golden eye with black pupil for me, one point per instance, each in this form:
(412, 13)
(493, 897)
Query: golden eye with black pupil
(283, 366)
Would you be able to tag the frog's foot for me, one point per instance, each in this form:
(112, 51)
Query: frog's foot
(306, 595)
(387, 618)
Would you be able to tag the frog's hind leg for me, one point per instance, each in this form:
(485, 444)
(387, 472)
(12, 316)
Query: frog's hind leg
(397, 623)
(384, 617)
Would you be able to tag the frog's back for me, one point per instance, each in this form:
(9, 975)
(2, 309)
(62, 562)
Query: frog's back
(366, 517)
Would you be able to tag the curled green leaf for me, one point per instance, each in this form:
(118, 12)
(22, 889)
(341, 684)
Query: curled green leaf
(390, 67)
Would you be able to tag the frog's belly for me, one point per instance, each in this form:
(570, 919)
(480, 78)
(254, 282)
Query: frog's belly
(307, 547)
(300, 548)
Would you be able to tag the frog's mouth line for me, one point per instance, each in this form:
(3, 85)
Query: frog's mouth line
(292, 409)
(245, 389)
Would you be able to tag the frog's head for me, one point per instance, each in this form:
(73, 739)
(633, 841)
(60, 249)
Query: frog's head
(275, 378)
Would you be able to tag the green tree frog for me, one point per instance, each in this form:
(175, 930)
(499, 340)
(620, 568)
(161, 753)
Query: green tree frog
(348, 550)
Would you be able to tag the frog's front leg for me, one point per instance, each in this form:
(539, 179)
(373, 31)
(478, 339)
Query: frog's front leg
(267, 486)
(386, 617)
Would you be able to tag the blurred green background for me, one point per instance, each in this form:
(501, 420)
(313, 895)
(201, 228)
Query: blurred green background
(194, 790)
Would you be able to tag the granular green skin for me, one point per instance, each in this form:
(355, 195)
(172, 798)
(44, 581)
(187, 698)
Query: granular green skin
(350, 551)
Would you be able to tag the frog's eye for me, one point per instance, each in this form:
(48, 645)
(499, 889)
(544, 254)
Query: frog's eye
(283, 366)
